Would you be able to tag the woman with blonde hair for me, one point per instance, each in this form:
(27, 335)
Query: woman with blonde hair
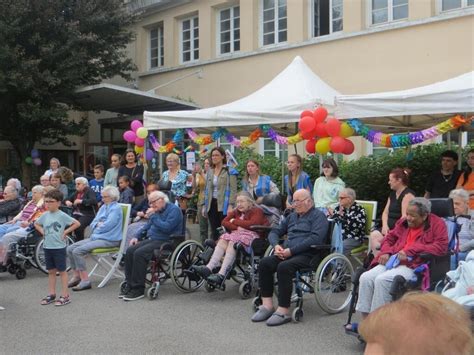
(296, 178)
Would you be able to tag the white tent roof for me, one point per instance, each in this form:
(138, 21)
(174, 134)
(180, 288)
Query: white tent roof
(455, 95)
(281, 101)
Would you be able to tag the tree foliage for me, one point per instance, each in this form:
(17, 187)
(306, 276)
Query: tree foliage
(49, 48)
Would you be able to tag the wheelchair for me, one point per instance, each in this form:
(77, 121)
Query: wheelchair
(328, 278)
(435, 266)
(245, 267)
(27, 253)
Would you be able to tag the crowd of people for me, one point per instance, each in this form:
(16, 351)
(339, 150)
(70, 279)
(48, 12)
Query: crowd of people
(407, 229)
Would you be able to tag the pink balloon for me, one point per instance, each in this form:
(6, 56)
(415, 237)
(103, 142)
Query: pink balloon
(37, 161)
(136, 124)
(129, 136)
(139, 142)
(149, 154)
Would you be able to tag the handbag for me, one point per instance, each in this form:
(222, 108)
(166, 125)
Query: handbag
(183, 203)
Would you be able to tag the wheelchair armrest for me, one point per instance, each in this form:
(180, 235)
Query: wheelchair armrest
(427, 257)
(321, 247)
(210, 243)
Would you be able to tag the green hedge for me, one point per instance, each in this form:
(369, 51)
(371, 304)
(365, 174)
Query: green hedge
(368, 176)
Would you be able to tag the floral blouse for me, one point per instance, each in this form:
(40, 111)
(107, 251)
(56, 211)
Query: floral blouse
(352, 221)
(179, 183)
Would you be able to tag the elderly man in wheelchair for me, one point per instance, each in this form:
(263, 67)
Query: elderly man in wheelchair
(401, 252)
(304, 227)
(166, 219)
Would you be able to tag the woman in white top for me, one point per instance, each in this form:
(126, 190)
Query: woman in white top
(53, 166)
(112, 173)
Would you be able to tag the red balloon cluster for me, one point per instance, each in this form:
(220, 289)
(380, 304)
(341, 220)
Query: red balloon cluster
(325, 134)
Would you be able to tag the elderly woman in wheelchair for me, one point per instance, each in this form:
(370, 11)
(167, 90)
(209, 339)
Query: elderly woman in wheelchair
(237, 224)
(401, 251)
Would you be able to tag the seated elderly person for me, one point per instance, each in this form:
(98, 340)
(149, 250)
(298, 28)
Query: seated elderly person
(106, 233)
(10, 205)
(21, 221)
(419, 232)
(466, 234)
(164, 221)
(352, 218)
(84, 204)
(305, 226)
(237, 224)
(140, 214)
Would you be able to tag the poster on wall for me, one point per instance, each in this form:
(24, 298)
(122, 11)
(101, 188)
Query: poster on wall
(190, 160)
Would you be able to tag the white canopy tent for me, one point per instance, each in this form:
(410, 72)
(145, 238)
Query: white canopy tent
(281, 101)
(418, 107)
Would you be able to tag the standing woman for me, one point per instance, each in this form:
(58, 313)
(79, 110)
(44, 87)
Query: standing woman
(396, 206)
(296, 178)
(255, 184)
(327, 187)
(84, 204)
(178, 178)
(135, 172)
(221, 189)
(53, 166)
(199, 188)
(466, 180)
(112, 172)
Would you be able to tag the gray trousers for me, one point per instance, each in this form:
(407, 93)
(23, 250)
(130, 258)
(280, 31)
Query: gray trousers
(78, 251)
(8, 240)
(374, 286)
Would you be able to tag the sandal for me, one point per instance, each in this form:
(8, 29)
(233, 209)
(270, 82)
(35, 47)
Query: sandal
(62, 301)
(48, 300)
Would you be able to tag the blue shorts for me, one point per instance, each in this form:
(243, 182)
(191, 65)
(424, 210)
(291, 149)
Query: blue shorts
(55, 259)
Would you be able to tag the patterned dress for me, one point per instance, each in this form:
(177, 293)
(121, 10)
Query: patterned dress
(352, 221)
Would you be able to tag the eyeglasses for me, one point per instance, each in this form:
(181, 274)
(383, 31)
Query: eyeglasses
(299, 201)
(343, 197)
(50, 201)
(153, 201)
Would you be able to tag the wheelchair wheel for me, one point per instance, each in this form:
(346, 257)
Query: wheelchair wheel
(297, 314)
(39, 255)
(152, 292)
(245, 290)
(256, 302)
(20, 274)
(12, 269)
(184, 256)
(333, 286)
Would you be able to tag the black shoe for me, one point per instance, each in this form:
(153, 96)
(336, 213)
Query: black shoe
(134, 295)
(123, 291)
(216, 279)
(201, 270)
(340, 288)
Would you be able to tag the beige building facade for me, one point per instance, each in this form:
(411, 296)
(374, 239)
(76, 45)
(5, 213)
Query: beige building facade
(212, 52)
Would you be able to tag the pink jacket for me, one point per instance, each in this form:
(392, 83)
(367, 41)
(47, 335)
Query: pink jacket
(433, 240)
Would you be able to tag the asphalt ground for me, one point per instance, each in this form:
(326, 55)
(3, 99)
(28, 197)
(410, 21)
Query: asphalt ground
(97, 322)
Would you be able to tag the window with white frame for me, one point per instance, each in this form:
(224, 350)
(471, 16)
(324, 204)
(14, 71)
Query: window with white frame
(190, 39)
(383, 11)
(269, 147)
(157, 54)
(229, 30)
(327, 17)
(447, 5)
(273, 21)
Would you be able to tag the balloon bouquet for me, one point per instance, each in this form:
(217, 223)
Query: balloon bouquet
(325, 134)
(137, 135)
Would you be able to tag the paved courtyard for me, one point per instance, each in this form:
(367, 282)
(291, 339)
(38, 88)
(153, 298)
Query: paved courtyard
(214, 323)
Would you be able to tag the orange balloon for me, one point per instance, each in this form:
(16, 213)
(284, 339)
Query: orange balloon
(333, 127)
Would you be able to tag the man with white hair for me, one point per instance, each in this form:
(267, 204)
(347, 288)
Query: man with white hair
(304, 227)
(166, 219)
(10, 205)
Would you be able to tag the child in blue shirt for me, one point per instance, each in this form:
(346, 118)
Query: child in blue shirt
(97, 184)
(55, 225)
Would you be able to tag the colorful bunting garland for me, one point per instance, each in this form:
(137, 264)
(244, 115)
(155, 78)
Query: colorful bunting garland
(404, 140)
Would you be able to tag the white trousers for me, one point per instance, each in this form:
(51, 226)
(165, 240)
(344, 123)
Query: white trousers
(374, 286)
